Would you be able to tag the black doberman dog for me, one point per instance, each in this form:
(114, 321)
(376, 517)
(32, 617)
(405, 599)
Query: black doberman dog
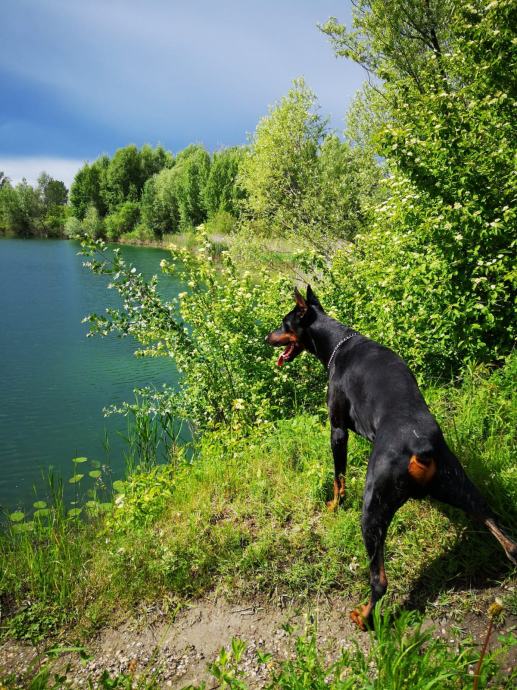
(372, 392)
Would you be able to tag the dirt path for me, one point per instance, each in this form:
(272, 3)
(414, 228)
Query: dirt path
(178, 651)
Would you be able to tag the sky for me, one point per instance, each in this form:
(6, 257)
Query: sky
(79, 78)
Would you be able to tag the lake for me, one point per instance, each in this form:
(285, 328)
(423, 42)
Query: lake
(55, 381)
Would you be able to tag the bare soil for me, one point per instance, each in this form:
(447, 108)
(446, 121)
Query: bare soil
(178, 649)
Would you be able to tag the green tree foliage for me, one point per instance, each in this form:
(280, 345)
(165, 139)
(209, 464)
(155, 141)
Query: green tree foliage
(435, 275)
(301, 181)
(221, 192)
(123, 177)
(192, 169)
(123, 220)
(92, 223)
(54, 195)
(280, 165)
(128, 171)
(53, 192)
(88, 188)
(116, 186)
(152, 160)
(175, 198)
(33, 211)
(22, 209)
(160, 207)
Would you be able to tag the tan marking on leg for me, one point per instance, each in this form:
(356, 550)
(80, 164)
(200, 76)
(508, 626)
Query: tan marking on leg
(360, 616)
(509, 546)
(421, 470)
(382, 576)
(333, 504)
(342, 486)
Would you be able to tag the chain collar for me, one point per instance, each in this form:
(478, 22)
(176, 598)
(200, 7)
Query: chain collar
(343, 340)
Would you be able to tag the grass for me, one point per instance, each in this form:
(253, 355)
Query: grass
(247, 516)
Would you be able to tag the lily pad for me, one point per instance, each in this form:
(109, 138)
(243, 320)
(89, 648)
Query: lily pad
(79, 460)
(74, 512)
(119, 486)
(39, 505)
(23, 527)
(17, 516)
(76, 478)
(94, 474)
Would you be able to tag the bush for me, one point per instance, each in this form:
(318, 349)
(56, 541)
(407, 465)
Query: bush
(215, 332)
(221, 223)
(123, 220)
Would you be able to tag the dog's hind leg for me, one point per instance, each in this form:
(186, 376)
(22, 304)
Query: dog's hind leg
(384, 494)
(338, 443)
(452, 486)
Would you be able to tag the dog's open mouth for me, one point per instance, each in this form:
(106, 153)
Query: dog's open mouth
(289, 353)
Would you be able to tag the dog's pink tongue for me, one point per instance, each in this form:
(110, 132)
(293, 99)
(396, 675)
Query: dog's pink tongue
(280, 360)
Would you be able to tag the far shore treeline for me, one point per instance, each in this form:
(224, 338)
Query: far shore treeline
(141, 194)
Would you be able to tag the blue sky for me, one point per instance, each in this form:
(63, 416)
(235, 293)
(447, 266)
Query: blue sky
(79, 78)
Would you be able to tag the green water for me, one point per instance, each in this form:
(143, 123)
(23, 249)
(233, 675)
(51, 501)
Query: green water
(55, 381)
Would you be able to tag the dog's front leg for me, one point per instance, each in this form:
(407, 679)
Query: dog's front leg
(338, 443)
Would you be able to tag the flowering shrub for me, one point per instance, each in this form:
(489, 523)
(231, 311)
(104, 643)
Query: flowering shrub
(215, 331)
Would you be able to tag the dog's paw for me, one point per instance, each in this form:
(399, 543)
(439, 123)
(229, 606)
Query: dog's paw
(360, 618)
(332, 506)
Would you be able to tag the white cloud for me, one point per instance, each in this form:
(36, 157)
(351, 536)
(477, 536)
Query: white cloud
(30, 167)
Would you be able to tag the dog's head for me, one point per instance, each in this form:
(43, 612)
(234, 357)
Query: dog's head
(292, 333)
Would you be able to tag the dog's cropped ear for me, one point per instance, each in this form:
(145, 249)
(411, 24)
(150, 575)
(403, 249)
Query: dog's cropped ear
(312, 299)
(300, 300)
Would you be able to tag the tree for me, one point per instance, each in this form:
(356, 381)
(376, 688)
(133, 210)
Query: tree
(396, 39)
(435, 276)
(221, 192)
(92, 224)
(123, 177)
(53, 192)
(301, 180)
(193, 167)
(160, 206)
(281, 163)
(124, 219)
(23, 209)
(4, 180)
(88, 188)
(154, 160)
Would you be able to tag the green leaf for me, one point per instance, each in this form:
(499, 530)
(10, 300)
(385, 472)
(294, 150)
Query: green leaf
(39, 505)
(119, 486)
(76, 478)
(17, 516)
(94, 474)
(42, 512)
(74, 512)
(23, 527)
(79, 460)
